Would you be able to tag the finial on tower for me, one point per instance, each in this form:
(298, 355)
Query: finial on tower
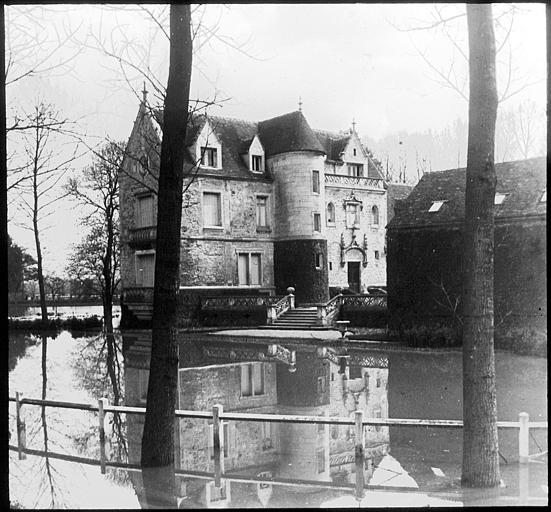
(353, 124)
(144, 94)
(300, 103)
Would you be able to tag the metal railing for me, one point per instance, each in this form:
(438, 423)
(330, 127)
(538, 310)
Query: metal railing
(244, 302)
(345, 181)
(217, 415)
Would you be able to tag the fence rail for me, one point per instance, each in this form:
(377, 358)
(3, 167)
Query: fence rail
(217, 415)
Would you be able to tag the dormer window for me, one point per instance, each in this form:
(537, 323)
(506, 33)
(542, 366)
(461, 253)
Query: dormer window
(355, 170)
(435, 206)
(543, 198)
(499, 198)
(256, 163)
(209, 157)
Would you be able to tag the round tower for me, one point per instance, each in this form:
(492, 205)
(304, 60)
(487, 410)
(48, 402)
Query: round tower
(296, 162)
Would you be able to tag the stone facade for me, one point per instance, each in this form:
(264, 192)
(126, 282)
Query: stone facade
(425, 256)
(254, 216)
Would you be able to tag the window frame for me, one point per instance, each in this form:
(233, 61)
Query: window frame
(221, 209)
(137, 217)
(500, 197)
(318, 260)
(249, 254)
(207, 152)
(436, 206)
(260, 160)
(137, 255)
(316, 181)
(330, 219)
(355, 170)
(316, 215)
(250, 379)
(375, 216)
(266, 211)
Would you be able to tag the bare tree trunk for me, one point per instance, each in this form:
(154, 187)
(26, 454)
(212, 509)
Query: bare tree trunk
(39, 269)
(480, 442)
(158, 435)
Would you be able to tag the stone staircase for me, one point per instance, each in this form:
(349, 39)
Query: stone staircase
(298, 318)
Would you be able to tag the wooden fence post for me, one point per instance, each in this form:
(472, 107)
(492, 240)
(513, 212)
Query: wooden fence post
(359, 454)
(21, 427)
(218, 443)
(523, 438)
(102, 403)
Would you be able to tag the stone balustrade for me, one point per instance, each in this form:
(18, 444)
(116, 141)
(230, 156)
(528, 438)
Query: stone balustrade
(355, 182)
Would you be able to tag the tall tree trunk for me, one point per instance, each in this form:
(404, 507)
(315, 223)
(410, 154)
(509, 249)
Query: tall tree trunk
(39, 269)
(480, 442)
(158, 435)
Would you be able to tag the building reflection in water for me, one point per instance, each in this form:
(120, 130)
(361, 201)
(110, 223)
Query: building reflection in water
(248, 378)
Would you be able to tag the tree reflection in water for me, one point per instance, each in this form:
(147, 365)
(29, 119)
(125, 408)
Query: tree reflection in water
(100, 370)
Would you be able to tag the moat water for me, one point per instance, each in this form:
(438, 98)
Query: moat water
(307, 465)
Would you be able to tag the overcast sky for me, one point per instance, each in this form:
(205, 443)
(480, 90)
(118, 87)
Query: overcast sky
(346, 62)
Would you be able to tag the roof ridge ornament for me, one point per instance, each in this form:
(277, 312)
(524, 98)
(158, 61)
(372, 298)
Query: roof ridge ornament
(144, 94)
(300, 103)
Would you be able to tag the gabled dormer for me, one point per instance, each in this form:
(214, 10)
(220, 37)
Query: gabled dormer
(255, 156)
(208, 149)
(355, 156)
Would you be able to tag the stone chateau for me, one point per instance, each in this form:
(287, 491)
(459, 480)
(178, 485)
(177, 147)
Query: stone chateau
(272, 204)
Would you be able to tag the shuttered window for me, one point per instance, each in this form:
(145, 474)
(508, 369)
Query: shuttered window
(212, 209)
(249, 269)
(145, 270)
(316, 182)
(261, 211)
(144, 211)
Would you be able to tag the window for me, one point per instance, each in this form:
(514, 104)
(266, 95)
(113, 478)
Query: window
(321, 428)
(317, 222)
(330, 265)
(267, 436)
(145, 270)
(320, 459)
(252, 379)
(354, 151)
(330, 213)
(256, 163)
(499, 198)
(218, 495)
(318, 260)
(352, 214)
(321, 385)
(543, 198)
(316, 182)
(249, 269)
(355, 170)
(144, 211)
(377, 256)
(261, 211)
(435, 206)
(143, 380)
(225, 439)
(212, 209)
(144, 165)
(375, 216)
(209, 157)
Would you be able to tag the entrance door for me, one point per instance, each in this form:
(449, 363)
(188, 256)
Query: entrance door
(354, 276)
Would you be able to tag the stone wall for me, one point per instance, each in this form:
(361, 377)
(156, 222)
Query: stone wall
(425, 279)
(294, 265)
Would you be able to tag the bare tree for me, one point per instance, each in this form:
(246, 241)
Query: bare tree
(37, 183)
(480, 441)
(158, 435)
(97, 256)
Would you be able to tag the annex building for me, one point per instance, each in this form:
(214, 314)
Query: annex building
(266, 205)
(425, 246)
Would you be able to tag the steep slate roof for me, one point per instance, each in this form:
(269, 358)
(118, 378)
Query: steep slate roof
(333, 143)
(523, 181)
(289, 132)
(395, 192)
